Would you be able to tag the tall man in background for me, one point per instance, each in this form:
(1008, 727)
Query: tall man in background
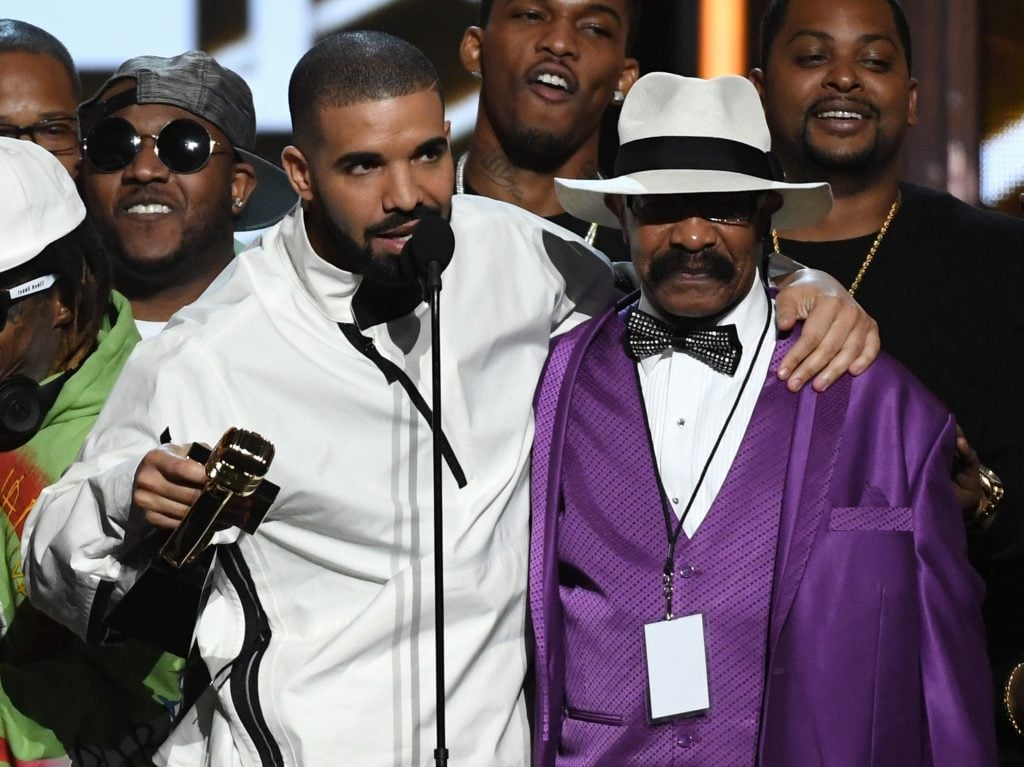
(839, 96)
(547, 75)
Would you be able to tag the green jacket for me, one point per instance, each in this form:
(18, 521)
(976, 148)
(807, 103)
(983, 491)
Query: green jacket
(60, 698)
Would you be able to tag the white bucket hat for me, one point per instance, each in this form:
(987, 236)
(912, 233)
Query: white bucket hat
(685, 135)
(39, 203)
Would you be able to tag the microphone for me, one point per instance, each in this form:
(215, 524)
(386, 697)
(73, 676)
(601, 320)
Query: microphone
(428, 251)
(423, 258)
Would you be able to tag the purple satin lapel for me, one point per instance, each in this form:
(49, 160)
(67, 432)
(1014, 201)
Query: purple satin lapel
(816, 423)
(551, 417)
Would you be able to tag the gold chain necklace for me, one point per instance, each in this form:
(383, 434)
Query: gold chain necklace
(460, 188)
(871, 251)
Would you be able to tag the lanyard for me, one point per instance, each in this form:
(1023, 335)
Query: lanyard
(673, 535)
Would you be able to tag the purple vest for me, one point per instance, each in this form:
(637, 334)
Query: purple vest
(613, 530)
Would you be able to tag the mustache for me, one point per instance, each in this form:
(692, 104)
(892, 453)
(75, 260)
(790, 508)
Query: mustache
(676, 261)
(397, 219)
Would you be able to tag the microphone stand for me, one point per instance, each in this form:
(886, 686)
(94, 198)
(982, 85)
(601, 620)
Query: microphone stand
(433, 289)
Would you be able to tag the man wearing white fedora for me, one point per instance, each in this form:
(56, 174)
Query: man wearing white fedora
(723, 572)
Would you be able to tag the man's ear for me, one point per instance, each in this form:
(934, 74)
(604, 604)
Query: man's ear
(630, 72)
(756, 76)
(62, 314)
(469, 49)
(295, 165)
(912, 113)
(243, 184)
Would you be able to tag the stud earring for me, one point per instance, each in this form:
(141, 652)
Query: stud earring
(239, 202)
(477, 74)
(618, 97)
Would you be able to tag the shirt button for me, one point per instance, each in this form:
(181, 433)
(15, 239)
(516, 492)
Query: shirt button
(681, 422)
(687, 571)
(675, 499)
(686, 741)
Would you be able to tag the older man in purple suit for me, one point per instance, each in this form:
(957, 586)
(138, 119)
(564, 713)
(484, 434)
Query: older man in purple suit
(725, 573)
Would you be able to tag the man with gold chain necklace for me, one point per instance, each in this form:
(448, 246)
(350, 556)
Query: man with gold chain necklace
(838, 93)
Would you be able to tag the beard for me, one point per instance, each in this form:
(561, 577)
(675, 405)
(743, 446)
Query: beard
(865, 161)
(846, 162)
(140, 276)
(385, 271)
(535, 149)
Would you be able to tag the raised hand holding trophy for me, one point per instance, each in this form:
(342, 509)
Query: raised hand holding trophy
(235, 468)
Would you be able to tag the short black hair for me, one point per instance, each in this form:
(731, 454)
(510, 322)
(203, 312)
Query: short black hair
(634, 19)
(775, 16)
(80, 264)
(352, 67)
(21, 37)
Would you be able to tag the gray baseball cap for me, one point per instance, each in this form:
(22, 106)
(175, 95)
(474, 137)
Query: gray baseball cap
(195, 82)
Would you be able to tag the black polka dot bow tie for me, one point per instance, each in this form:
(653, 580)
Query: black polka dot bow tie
(717, 347)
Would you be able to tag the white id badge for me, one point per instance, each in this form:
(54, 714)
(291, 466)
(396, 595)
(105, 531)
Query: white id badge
(677, 668)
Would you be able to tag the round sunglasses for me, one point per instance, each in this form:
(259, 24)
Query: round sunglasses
(183, 145)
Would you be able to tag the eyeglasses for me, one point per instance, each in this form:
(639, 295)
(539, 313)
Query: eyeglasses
(733, 208)
(58, 134)
(183, 145)
(18, 292)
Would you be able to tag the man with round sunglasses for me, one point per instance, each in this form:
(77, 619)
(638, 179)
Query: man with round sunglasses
(64, 337)
(168, 174)
(39, 91)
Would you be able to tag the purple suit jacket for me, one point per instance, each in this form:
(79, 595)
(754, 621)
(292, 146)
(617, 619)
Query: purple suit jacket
(876, 647)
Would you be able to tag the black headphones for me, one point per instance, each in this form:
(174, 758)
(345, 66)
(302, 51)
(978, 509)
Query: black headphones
(23, 406)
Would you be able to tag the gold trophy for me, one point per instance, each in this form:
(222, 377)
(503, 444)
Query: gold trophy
(234, 468)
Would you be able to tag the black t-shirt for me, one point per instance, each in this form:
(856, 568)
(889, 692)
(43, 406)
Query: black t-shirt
(947, 289)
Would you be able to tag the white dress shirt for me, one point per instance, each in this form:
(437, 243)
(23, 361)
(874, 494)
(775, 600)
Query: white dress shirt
(687, 404)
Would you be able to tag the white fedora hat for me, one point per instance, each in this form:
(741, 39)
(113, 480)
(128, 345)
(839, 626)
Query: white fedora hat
(685, 135)
(39, 203)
